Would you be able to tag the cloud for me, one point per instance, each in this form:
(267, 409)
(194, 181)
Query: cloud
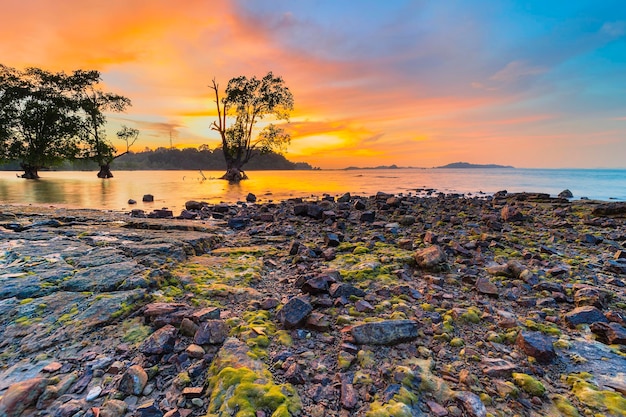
(515, 70)
(614, 29)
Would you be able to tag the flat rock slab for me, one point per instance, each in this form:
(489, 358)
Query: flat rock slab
(388, 332)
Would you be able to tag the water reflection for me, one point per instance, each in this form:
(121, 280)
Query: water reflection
(172, 189)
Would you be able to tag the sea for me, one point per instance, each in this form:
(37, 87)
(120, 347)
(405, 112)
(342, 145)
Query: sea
(171, 189)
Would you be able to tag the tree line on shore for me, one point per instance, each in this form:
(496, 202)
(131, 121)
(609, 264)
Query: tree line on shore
(201, 158)
(51, 119)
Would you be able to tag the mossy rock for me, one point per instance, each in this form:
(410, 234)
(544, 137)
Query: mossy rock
(529, 384)
(590, 395)
(241, 386)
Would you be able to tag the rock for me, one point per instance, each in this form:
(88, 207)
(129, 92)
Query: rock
(238, 223)
(148, 198)
(207, 313)
(52, 367)
(387, 332)
(471, 403)
(566, 194)
(211, 332)
(194, 205)
(195, 351)
(113, 408)
(131, 201)
(368, 216)
(611, 333)
(188, 327)
(70, 408)
(162, 214)
(511, 214)
(251, 198)
(430, 258)
(294, 312)
(344, 198)
(349, 395)
(133, 381)
(359, 205)
(18, 397)
(537, 345)
(609, 209)
(318, 322)
(584, 315)
(193, 392)
(294, 247)
(332, 240)
(159, 342)
(315, 285)
(485, 286)
(339, 289)
(294, 374)
(590, 296)
(94, 393)
(314, 211)
(498, 368)
(149, 409)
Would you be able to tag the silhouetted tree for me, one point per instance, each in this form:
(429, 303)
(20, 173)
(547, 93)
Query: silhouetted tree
(39, 124)
(94, 102)
(248, 101)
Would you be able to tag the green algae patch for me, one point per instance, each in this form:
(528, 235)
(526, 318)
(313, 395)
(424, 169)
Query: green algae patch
(564, 406)
(591, 396)
(134, 331)
(240, 386)
(543, 328)
(529, 384)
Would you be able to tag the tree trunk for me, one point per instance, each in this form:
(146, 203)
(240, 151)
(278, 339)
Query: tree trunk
(30, 172)
(105, 171)
(234, 172)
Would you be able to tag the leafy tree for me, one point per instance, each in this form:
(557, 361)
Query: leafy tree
(248, 101)
(94, 102)
(39, 124)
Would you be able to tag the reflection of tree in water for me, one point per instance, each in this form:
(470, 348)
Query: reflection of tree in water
(45, 190)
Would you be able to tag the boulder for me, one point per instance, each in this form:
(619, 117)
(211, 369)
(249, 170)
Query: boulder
(133, 381)
(584, 315)
(21, 395)
(294, 312)
(211, 332)
(430, 258)
(537, 345)
(387, 332)
(566, 194)
(159, 342)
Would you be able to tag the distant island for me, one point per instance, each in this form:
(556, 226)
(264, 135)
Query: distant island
(468, 165)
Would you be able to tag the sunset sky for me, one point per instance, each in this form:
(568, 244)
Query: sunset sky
(529, 83)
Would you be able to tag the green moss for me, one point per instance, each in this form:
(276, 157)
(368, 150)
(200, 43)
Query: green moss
(26, 301)
(564, 406)
(134, 331)
(284, 338)
(344, 360)
(361, 377)
(365, 358)
(457, 342)
(392, 409)
(182, 380)
(472, 315)
(360, 250)
(529, 384)
(428, 307)
(543, 328)
(244, 391)
(589, 394)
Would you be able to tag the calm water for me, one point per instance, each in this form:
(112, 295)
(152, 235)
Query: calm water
(173, 188)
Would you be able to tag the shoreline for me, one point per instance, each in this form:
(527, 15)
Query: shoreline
(344, 306)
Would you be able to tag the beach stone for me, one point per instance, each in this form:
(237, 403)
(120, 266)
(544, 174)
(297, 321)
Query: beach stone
(511, 214)
(345, 198)
(315, 285)
(339, 289)
(238, 223)
(147, 198)
(359, 205)
(566, 194)
(471, 403)
(368, 216)
(211, 332)
(131, 201)
(251, 198)
(584, 315)
(591, 296)
(430, 258)
(133, 381)
(485, 286)
(294, 312)
(387, 332)
(18, 397)
(498, 368)
(314, 211)
(194, 205)
(159, 342)
(609, 209)
(537, 345)
(348, 394)
(113, 408)
(611, 333)
(149, 409)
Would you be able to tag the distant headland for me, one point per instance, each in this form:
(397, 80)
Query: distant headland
(468, 165)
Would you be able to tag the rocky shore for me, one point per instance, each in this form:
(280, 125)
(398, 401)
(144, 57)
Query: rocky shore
(508, 305)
